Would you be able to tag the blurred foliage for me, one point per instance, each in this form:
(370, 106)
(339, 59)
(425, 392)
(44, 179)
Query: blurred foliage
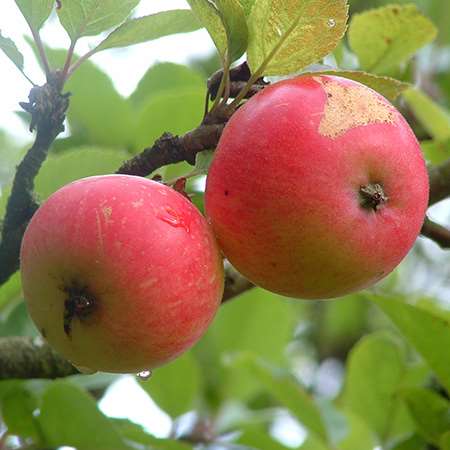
(371, 370)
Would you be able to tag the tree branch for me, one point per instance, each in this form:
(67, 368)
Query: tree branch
(436, 233)
(47, 108)
(439, 182)
(26, 357)
(170, 149)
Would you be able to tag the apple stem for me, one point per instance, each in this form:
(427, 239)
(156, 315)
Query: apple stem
(372, 196)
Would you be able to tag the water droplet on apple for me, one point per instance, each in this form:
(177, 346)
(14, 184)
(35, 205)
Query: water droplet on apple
(171, 217)
(331, 23)
(144, 375)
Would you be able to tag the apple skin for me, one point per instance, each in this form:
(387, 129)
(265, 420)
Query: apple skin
(283, 192)
(144, 255)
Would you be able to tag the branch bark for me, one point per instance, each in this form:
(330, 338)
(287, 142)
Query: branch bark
(436, 233)
(26, 357)
(47, 107)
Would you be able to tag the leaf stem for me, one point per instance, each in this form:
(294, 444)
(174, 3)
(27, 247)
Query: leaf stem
(223, 83)
(41, 50)
(68, 61)
(78, 62)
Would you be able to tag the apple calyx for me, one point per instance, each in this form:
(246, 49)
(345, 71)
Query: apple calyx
(79, 304)
(372, 196)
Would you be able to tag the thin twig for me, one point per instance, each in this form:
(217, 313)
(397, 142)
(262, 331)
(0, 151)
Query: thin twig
(436, 233)
(47, 108)
(41, 50)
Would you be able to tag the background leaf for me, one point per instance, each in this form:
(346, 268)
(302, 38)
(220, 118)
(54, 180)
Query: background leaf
(36, 12)
(304, 31)
(428, 333)
(17, 407)
(370, 387)
(90, 17)
(77, 163)
(233, 19)
(434, 119)
(430, 411)
(9, 48)
(386, 86)
(85, 428)
(209, 17)
(386, 37)
(176, 386)
(147, 28)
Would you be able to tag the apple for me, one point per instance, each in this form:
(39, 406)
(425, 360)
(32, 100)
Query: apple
(120, 273)
(318, 188)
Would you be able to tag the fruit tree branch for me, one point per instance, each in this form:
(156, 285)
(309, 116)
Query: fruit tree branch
(26, 357)
(47, 107)
(170, 149)
(436, 233)
(439, 182)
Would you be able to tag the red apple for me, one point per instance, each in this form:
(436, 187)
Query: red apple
(318, 188)
(120, 273)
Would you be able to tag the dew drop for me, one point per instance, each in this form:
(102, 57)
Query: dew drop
(171, 217)
(331, 23)
(144, 375)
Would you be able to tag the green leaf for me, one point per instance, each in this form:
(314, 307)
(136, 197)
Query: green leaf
(413, 442)
(235, 24)
(430, 412)
(313, 443)
(434, 119)
(386, 37)
(97, 110)
(445, 441)
(36, 12)
(17, 408)
(210, 18)
(203, 160)
(386, 86)
(359, 434)
(165, 77)
(286, 390)
(247, 5)
(428, 333)
(10, 291)
(70, 417)
(176, 396)
(9, 48)
(91, 17)
(147, 28)
(135, 433)
(58, 170)
(370, 387)
(285, 37)
(436, 152)
(18, 322)
(177, 111)
(256, 437)
(238, 327)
